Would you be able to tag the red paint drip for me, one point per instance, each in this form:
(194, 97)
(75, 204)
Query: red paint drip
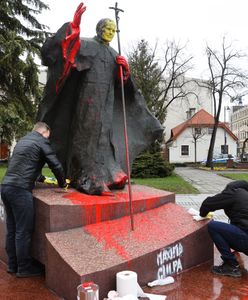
(96, 209)
(104, 233)
(117, 234)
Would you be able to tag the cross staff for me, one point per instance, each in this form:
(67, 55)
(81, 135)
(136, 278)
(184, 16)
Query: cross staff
(117, 10)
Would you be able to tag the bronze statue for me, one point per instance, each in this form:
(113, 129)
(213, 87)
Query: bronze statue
(82, 105)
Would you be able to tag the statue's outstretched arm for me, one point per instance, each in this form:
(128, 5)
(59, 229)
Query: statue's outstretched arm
(71, 45)
(78, 14)
(64, 37)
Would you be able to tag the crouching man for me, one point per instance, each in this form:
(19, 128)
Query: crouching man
(234, 200)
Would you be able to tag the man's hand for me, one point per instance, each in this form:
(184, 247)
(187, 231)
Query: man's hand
(121, 61)
(78, 14)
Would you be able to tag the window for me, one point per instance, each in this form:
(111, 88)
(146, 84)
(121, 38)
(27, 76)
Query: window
(190, 112)
(184, 150)
(224, 149)
(198, 130)
(210, 130)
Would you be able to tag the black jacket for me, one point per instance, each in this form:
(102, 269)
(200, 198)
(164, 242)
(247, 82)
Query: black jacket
(234, 200)
(29, 156)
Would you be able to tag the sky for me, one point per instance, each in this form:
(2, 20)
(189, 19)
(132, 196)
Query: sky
(191, 22)
(194, 23)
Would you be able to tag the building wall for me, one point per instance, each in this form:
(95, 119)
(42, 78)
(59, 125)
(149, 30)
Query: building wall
(239, 125)
(42, 75)
(186, 138)
(176, 111)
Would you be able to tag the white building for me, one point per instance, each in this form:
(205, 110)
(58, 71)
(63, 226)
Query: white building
(42, 75)
(189, 141)
(239, 125)
(182, 109)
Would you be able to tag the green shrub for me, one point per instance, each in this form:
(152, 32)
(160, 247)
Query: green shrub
(151, 165)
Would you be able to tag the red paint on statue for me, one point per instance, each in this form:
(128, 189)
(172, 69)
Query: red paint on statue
(149, 201)
(70, 46)
(90, 100)
(119, 179)
(96, 209)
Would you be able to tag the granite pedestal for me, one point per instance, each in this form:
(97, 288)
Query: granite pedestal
(88, 238)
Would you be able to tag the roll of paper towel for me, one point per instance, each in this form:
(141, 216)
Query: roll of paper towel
(126, 283)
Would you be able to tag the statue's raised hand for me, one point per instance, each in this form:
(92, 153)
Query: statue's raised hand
(78, 14)
(71, 45)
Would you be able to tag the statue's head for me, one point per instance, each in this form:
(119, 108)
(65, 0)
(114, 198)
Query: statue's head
(105, 30)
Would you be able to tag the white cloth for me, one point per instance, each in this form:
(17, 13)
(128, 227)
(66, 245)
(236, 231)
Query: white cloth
(196, 215)
(167, 280)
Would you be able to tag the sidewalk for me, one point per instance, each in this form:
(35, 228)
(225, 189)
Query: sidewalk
(207, 183)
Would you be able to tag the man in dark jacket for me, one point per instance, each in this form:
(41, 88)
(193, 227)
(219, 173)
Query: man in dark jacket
(234, 200)
(29, 156)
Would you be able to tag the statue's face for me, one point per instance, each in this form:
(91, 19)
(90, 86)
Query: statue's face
(108, 31)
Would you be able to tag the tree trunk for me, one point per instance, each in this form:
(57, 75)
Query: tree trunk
(195, 151)
(211, 147)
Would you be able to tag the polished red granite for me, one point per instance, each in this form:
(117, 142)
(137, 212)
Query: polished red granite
(195, 284)
(166, 240)
(191, 284)
(58, 210)
(200, 284)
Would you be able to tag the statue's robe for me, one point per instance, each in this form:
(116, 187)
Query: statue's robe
(86, 115)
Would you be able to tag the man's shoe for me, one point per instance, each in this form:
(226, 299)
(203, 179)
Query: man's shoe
(11, 270)
(227, 270)
(33, 271)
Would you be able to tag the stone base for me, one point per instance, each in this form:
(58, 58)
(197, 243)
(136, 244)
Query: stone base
(89, 238)
(58, 210)
(165, 241)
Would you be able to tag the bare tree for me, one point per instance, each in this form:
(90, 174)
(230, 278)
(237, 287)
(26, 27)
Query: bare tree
(226, 80)
(161, 80)
(175, 67)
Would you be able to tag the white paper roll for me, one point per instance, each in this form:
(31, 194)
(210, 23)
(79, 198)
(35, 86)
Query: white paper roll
(126, 283)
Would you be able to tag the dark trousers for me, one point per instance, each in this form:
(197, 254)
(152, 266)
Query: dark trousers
(226, 237)
(19, 209)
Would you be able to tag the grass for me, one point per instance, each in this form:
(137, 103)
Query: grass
(235, 176)
(172, 183)
(3, 167)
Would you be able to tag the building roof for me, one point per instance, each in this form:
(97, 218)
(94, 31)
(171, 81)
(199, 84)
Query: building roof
(201, 119)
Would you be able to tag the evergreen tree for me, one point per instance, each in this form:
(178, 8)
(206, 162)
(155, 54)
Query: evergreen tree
(21, 36)
(148, 76)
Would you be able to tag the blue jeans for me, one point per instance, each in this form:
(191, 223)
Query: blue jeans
(19, 209)
(226, 237)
